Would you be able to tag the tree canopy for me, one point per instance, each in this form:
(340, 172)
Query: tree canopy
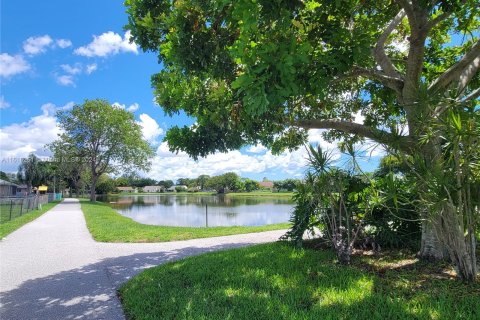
(106, 137)
(268, 71)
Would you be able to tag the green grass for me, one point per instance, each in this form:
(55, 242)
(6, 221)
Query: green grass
(203, 193)
(8, 227)
(275, 281)
(106, 225)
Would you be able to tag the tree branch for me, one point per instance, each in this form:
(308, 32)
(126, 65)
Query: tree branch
(432, 23)
(467, 65)
(379, 52)
(407, 6)
(393, 83)
(403, 143)
(473, 95)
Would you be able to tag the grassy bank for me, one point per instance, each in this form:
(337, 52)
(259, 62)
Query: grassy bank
(262, 194)
(8, 227)
(106, 225)
(274, 281)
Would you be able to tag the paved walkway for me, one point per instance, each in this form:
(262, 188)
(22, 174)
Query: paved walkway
(51, 268)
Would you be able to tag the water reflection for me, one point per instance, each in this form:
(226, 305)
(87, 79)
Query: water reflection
(200, 211)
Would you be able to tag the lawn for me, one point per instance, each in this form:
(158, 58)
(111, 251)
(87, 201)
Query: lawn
(12, 225)
(106, 225)
(275, 281)
(262, 194)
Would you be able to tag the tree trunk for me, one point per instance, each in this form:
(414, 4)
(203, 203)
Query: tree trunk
(431, 248)
(458, 245)
(92, 188)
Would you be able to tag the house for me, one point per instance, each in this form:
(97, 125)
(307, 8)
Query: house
(7, 188)
(42, 189)
(127, 189)
(153, 189)
(22, 191)
(266, 185)
(177, 188)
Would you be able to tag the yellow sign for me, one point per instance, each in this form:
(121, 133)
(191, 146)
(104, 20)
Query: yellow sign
(42, 188)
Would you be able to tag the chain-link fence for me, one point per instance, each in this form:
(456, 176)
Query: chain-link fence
(11, 208)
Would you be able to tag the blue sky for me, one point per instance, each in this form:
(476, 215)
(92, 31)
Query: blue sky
(58, 53)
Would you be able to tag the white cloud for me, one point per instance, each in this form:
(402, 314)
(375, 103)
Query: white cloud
(63, 43)
(134, 107)
(18, 140)
(131, 108)
(150, 128)
(37, 45)
(12, 65)
(75, 69)
(91, 68)
(65, 80)
(3, 103)
(257, 149)
(108, 43)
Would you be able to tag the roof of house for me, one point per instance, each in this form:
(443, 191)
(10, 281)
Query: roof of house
(7, 183)
(153, 187)
(125, 188)
(266, 184)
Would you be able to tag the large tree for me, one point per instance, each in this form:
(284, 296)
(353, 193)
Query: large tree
(268, 71)
(106, 137)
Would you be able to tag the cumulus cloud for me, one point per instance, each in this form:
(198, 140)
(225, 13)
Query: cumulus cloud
(257, 149)
(12, 65)
(65, 80)
(150, 128)
(108, 43)
(131, 108)
(18, 140)
(75, 69)
(3, 103)
(37, 45)
(63, 43)
(91, 68)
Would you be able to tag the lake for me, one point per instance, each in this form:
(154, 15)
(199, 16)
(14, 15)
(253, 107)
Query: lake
(201, 211)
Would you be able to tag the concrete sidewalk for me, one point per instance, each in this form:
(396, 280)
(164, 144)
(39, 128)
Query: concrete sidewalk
(51, 268)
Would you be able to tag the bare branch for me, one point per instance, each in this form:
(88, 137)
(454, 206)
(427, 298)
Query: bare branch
(468, 74)
(465, 66)
(401, 142)
(473, 95)
(379, 52)
(407, 6)
(394, 83)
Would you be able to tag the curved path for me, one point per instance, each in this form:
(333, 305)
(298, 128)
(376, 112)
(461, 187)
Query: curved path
(52, 268)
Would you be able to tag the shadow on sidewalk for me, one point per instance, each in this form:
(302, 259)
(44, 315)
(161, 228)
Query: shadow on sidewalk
(88, 292)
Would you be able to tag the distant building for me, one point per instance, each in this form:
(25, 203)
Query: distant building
(22, 191)
(153, 189)
(7, 188)
(266, 184)
(177, 188)
(127, 189)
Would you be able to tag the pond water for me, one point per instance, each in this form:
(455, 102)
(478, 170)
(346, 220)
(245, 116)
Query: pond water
(201, 211)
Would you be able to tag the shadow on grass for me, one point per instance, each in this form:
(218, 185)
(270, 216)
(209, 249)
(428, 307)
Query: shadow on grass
(265, 282)
(88, 292)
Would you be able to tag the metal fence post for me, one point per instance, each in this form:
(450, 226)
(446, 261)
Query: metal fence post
(206, 215)
(21, 207)
(11, 206)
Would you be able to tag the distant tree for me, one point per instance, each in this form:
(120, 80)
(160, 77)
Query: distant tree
(4, 176)
(166, 183)
(29, 171)
(122, 182)
(108, 137)
(202, 180)
(251, 185)
(105, 184)
(226, 182)
(287, 184)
